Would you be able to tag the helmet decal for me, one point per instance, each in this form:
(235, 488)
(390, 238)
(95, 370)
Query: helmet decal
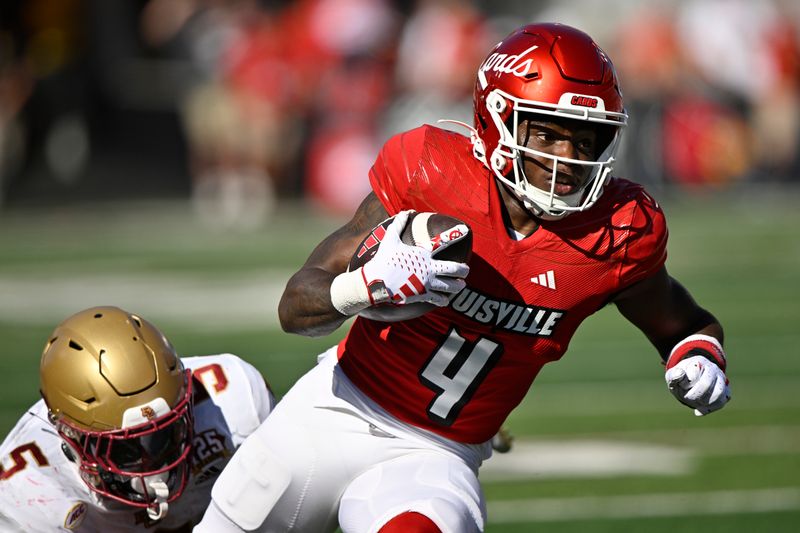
(517, 64)
(585, 101)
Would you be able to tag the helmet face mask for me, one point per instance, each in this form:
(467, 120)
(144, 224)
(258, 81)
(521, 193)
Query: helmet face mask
(117, 463)
(120, 399)
(550, 72)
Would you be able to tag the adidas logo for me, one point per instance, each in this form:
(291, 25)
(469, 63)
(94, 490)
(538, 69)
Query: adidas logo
(547, 279)
(413, 287)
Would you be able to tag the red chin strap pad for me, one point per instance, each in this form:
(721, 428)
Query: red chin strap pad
(410, 522)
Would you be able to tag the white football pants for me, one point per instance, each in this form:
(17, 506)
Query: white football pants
(329, 455)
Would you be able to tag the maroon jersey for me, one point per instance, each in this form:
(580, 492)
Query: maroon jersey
(459, 371)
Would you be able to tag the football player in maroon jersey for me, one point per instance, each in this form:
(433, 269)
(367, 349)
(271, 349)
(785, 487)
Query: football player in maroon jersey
(387, 433)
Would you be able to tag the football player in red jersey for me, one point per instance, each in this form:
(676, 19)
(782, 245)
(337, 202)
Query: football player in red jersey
(387, 433)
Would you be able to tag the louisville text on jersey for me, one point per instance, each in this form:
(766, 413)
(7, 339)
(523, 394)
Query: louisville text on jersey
(522, 319)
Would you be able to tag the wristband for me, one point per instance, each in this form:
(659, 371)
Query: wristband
(349, 293)
(698, 344)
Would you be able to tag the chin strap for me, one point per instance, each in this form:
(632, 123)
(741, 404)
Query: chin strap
(158, 509)
(155, 486)
(478, 149)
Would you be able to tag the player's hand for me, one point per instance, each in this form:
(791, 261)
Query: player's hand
(696, 374)
(502, 441)
(398, 274)
(698, 383)
(403, 274)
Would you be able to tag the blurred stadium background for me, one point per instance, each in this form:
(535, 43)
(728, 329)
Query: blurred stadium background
(180, 158)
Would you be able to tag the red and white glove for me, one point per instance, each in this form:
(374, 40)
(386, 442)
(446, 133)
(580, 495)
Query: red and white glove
(696, 374)
(398, 274)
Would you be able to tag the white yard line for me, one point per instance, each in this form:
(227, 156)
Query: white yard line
(646, 505)
(246, 301)
(586, 459)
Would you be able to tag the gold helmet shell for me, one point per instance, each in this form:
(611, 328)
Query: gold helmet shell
(121, 400)
(102, 361)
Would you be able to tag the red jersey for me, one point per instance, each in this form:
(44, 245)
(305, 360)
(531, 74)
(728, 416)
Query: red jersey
(459, 371)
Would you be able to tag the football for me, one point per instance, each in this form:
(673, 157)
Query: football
(442, 233)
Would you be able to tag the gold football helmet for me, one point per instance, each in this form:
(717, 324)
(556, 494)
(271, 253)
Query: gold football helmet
(121, 400)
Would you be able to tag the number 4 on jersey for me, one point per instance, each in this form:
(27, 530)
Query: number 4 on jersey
(454, 372)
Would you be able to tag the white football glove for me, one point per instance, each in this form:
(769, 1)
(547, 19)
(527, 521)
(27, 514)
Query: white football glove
(398, 274)
(695, 374)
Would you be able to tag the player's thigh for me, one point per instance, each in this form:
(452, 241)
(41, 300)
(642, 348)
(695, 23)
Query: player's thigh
(438, 486)
(289, 473)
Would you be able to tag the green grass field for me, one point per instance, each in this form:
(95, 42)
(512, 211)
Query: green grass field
(601, 445)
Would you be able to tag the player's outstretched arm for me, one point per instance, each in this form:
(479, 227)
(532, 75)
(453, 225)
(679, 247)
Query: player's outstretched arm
(305, 307)
(687, 336)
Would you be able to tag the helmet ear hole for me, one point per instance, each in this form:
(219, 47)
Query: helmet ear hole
(481, 122)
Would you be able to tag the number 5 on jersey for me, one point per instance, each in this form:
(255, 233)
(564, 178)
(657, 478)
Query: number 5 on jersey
(454, 372)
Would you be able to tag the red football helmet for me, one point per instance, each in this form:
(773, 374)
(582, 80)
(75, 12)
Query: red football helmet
(549, 70)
